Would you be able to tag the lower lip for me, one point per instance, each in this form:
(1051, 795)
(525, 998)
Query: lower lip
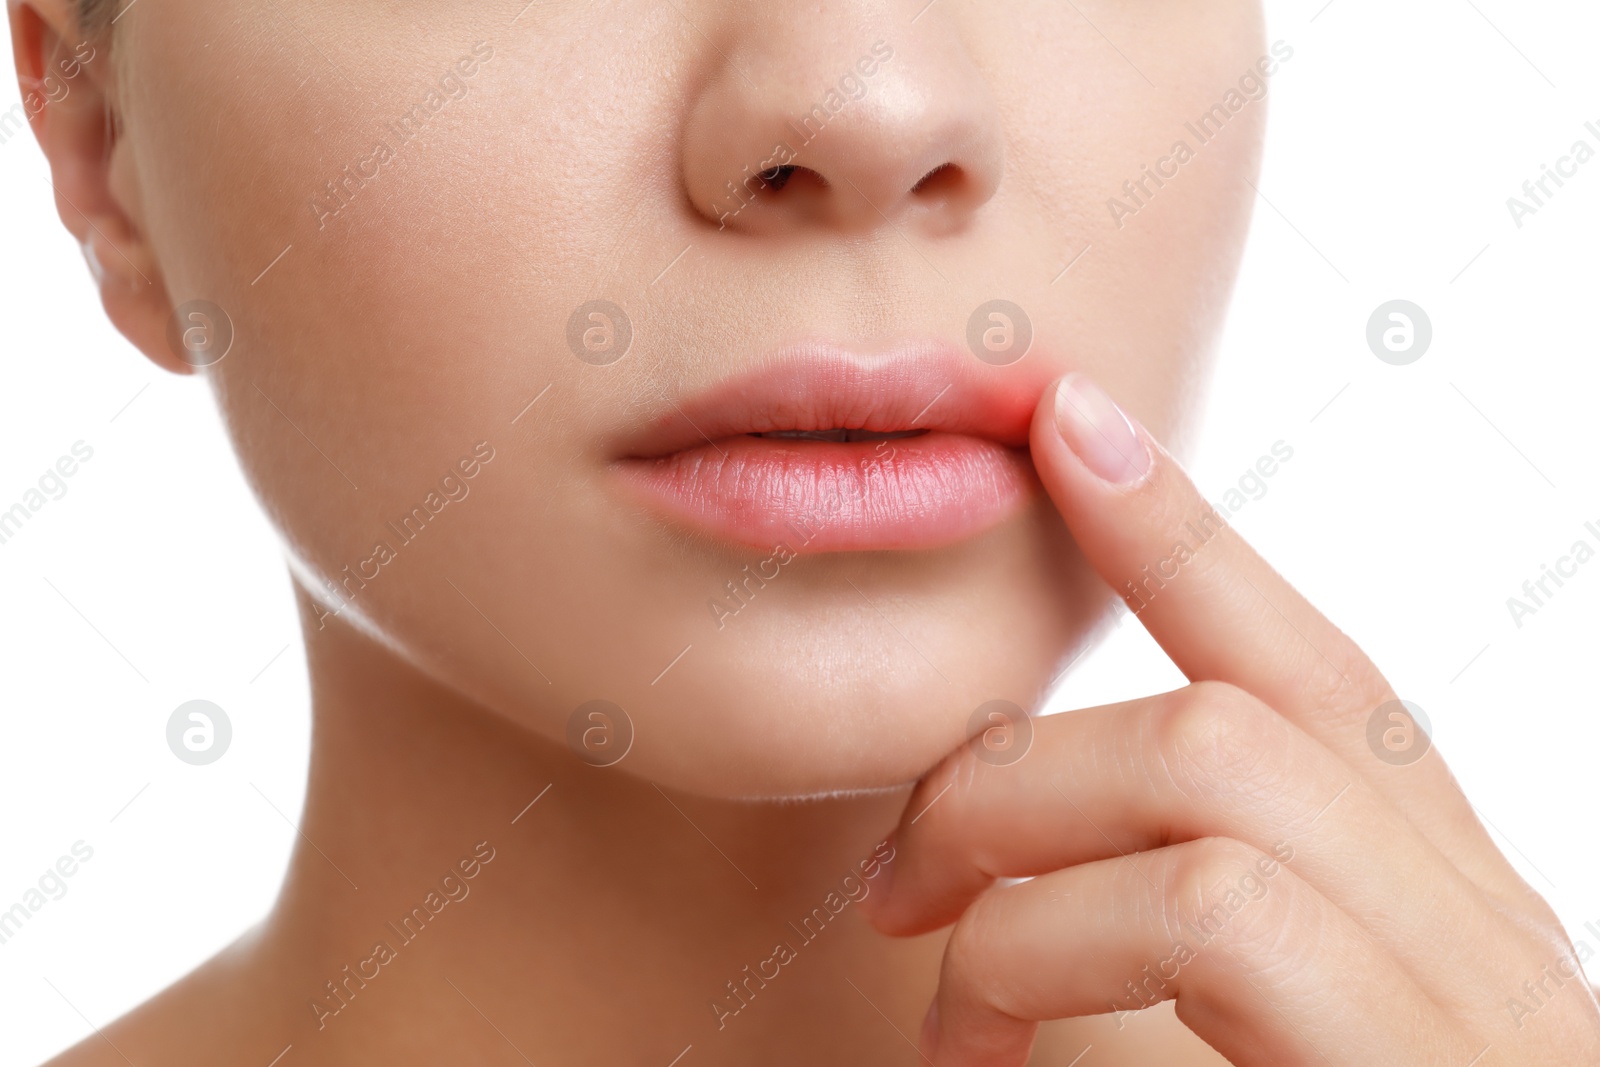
(821, 496)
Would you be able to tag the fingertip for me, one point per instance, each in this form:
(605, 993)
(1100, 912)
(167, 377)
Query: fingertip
(1098, 436)
(903, 912)
(887, 915)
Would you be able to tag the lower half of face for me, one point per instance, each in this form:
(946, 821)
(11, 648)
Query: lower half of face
(539, 277)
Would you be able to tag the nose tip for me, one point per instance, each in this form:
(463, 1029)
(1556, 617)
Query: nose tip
(907, 135)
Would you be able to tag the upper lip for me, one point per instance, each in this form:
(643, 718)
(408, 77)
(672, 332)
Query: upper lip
(820, 385)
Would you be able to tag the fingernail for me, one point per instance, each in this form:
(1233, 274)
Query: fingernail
(1098, 432)
(930, 1031)
(93, 260)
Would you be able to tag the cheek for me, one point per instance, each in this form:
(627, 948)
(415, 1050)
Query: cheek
(1146, 298)
(395, 270)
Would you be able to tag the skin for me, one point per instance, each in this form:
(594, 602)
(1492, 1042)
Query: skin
(375, 347)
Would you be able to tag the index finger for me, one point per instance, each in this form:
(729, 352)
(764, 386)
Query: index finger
(1218, 609)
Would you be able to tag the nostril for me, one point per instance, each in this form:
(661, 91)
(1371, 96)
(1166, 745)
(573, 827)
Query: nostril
(942, 182)
(781, 195)
(778, 177)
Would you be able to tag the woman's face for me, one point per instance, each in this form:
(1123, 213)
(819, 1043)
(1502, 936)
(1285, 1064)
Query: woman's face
(411, 219)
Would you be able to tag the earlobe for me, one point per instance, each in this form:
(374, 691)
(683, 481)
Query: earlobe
(74, 118)
(131, 290)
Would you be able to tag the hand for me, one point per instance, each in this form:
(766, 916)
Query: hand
(1236, 845)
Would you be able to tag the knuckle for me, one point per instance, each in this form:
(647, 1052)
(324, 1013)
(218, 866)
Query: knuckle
(1200, 868)
(1217, 740)
(971, 972)
(1339, 678)
(1531, 917)
(1227, 895)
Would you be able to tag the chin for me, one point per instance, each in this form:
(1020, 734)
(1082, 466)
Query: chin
(837, 711)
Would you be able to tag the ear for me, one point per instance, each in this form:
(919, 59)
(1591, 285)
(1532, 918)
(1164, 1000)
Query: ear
(69, 95)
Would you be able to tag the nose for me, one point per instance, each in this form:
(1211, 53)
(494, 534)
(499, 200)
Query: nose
(842, 116)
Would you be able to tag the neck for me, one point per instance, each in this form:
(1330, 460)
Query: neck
(460, 884)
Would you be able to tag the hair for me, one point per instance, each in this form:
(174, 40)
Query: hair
(94, 15)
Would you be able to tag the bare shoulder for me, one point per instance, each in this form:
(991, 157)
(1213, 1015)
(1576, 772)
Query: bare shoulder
(210, 1015)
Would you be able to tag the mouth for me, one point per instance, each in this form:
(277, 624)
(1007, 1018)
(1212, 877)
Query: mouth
(823, 450)
(838, 435)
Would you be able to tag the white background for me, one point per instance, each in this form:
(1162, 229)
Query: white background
(1418, 500)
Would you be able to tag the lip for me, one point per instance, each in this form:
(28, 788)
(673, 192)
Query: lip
(697, 461)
